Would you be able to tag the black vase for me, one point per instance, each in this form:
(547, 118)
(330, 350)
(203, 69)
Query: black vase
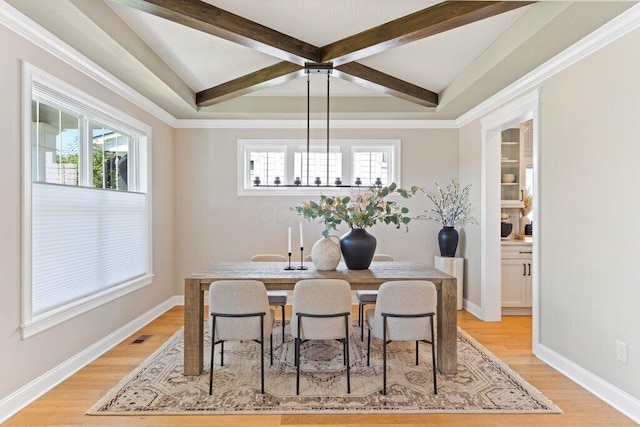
(448, 241)
(358, 247)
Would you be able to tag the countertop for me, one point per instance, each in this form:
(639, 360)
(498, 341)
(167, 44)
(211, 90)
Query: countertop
(527, 241)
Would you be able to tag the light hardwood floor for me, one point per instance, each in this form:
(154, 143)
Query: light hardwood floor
(510, 340)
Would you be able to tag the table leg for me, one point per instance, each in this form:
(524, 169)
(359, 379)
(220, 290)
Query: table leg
(447, 319)
(193, 326)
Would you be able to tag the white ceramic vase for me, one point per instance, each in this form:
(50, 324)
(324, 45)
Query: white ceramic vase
(326, 253)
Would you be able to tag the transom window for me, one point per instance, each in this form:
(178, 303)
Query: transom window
(276, 166)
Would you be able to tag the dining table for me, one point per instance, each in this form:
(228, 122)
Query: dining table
(275, 276)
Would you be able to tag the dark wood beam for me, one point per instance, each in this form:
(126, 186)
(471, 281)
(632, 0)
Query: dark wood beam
(368, 77)
(424, 23)
(220, 23)
(266, 77)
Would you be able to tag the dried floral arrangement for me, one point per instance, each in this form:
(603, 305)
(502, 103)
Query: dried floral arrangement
(452, 205)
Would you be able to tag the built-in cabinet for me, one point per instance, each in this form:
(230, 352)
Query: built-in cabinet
(517, 262)
(512, 168)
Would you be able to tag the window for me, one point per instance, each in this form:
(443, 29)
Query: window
(86, 239)
(348, 160)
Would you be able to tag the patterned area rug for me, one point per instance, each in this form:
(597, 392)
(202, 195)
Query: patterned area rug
(483, 383)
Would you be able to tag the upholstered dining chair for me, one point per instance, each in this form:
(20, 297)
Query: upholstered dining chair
(404, 312)
(239, 311)
(321, 311)
(276, 298)
(368, 297)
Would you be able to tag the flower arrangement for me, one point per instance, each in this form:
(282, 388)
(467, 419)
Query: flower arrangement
(360, 210)
(452, 205)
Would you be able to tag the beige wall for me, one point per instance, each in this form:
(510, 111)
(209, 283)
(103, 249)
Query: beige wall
(214, 224)
(22, 361)
(589, 232)
(590, 241)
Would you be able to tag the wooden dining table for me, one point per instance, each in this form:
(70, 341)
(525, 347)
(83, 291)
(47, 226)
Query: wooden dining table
(275, 277)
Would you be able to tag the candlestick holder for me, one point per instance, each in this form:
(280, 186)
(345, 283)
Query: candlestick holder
(289, 267)
(302, 267)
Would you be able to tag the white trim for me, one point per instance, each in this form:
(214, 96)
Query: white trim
(62, 314)
(314, 124)
(621, 401)
(39, 36)
(472, 308)
(32, 325)
(523, 109)
(608, 33)
(27, 394)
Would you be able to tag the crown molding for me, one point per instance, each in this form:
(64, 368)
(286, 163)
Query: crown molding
(619, 26)
(33, 32)
(44, 39)
(315, 124)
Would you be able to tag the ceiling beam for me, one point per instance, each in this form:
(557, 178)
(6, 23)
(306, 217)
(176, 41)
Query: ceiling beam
(204, 17)
(266, 77)
(419, 25)
(370, 78)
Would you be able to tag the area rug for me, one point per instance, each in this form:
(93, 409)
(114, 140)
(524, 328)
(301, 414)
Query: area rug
(483, 384)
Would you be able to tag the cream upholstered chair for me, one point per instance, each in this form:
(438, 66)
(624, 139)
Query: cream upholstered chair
(368, 297)
(321, 311)
(239, 311)
(307, 258)
(404, 312)
(276, 298)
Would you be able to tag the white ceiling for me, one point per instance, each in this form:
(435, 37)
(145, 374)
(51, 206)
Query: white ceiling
(169, 63)
(204, 61)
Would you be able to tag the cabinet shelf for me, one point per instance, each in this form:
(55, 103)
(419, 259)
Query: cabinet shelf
(510, 143)
(510, 183)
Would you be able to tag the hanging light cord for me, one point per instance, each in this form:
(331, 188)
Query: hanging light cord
(327, 181)
(308, 126)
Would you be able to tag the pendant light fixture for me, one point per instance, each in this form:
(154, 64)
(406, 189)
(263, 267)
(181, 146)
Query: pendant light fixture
(305, 180)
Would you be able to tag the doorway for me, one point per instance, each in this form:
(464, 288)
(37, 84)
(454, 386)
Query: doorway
(512, 115)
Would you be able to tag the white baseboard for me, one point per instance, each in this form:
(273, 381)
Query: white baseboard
(623, 402)
(472, 308)
(16, 401)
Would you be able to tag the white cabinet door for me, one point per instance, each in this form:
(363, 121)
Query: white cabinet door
(514, 277)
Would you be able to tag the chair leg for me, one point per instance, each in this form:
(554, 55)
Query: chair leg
(213, 346)
(384, 357)
(262, 354)
(433, 358)
(344, 352)
(271, 348)
(359, 313)
(368, 345)
(298, 359)
(346, 346)
(417, 353)
(361, 322)
(282, 324)
(221, 353)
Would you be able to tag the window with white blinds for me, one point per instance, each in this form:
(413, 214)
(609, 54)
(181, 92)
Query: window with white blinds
(87, 219)
(84, 241)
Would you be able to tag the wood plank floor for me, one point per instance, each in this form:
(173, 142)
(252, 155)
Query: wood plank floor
(510, 340)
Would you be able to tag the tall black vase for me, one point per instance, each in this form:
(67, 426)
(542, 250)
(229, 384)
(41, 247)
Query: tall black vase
(448, 241)
(358, 247)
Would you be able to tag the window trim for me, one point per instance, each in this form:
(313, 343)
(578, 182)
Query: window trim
(32, 325)
(245, 188)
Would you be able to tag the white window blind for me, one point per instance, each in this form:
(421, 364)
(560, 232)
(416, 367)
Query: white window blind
(84, 241)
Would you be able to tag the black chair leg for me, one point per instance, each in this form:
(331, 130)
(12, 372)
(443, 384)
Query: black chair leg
(282, 324)
(433, 358)
(368, 345)
(346, 346)
(222, 353)
(417, 353)
(262, 354)
(361, 322)
(271, 348)
(213, 346)
(384, 357)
